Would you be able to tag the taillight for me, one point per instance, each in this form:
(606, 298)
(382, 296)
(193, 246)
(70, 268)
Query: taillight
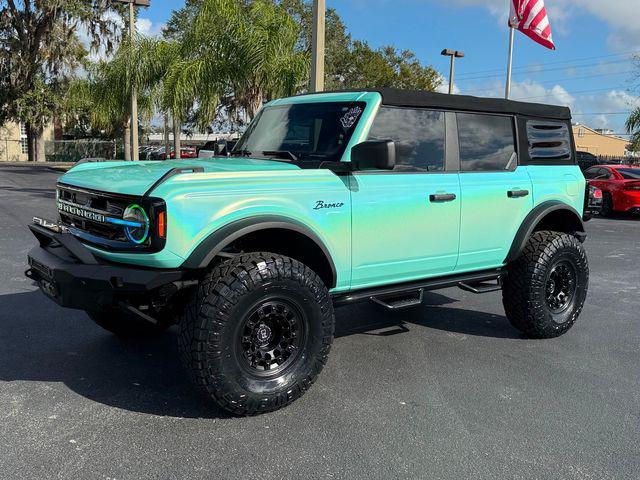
(162, 225)
(597, 193)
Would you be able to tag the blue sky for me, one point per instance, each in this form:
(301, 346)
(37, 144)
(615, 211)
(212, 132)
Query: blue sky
(591, 70)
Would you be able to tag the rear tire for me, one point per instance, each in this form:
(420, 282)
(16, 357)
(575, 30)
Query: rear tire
(257, 332)
(126, 325)
(546, 287)
(607, 205)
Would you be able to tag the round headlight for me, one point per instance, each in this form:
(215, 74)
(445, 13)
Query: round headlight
(136, 224)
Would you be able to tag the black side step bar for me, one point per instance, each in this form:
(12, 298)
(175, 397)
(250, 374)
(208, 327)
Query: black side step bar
(398, 302)
(481, 287)
(472, 279)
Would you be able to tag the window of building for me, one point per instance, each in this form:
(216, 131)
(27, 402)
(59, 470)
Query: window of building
(487, 142)
(580, 132)
(24, 144)
(418, 134)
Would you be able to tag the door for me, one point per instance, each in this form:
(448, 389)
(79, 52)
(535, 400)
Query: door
(496, 192)
(406, 222)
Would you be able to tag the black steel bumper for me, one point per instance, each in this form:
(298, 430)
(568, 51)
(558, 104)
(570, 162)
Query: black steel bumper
(70, 274)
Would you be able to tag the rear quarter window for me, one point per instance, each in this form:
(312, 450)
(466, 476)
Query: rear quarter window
(549, 141)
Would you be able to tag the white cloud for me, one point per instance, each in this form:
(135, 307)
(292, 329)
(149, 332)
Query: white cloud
(620, 15)
(148, 28)
(144, 26)
(597, 110)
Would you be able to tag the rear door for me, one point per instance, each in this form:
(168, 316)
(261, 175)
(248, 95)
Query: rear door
(496, 192)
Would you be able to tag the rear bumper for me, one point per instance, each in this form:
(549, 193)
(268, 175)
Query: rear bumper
(627, 201)
(73, 277)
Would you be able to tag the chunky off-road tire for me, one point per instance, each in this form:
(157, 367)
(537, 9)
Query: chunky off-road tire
(127, 325)
(546, 287)
(257, 332)
(607, 205)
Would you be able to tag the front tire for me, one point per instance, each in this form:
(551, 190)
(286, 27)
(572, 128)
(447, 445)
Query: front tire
(546, 287)
(257, 332)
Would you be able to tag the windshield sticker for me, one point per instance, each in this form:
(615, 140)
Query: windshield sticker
(351, 117)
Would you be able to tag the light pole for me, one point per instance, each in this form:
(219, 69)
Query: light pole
(453, 54)
(135, 152)
(317, 46)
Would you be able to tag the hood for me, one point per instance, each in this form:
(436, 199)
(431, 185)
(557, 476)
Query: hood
(135, 178)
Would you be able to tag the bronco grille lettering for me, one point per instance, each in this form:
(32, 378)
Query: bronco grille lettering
(78, 211)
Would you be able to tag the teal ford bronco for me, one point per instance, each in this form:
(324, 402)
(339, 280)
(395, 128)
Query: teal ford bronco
(327, 199)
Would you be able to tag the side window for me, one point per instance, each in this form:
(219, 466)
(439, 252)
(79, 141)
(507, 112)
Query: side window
(591, 173)
(605, 174)
(487, 142)
(418, 134)
(549, 141)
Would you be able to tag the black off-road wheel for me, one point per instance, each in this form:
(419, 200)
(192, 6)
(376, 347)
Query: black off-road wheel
(257, 332)
(126, 325)
(546, 287)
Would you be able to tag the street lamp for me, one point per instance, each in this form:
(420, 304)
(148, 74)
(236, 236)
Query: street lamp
(135, 153)
(453, 54)
(317, 46)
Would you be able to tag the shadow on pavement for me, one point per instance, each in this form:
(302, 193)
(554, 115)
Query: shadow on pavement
(42, 192)
(42, 342)
(368, 318)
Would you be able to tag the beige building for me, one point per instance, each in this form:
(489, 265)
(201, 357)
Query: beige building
(13, 141)
(599, 142)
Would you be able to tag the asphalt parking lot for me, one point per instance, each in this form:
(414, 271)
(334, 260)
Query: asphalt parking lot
(448, 390)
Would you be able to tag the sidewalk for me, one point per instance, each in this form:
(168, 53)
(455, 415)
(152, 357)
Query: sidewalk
(60, 167)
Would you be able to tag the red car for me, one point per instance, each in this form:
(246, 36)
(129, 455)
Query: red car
(620, 185)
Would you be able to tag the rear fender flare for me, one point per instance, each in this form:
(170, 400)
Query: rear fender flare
(535, 217)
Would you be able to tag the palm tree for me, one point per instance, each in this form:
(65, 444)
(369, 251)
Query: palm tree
(244, 52)
(105, 94)
(633, 127)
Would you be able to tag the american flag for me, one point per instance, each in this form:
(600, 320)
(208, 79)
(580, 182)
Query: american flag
(530, 17)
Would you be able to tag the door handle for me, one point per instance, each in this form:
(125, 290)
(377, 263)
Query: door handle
(442, 197)
(517, 193)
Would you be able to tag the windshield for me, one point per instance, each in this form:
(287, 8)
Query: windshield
(630, 173)
(305, 132)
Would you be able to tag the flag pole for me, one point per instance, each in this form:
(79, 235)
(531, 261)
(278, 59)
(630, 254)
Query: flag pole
(507, 90)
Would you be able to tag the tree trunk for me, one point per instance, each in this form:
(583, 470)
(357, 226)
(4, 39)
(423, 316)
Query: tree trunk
(31, 143)
(35, 144)
(40, 151)
(127, 140)
(254, 103)
(177, 130)
(167, 142)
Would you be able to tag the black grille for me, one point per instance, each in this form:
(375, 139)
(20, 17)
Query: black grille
(87, 214)
(94, 202)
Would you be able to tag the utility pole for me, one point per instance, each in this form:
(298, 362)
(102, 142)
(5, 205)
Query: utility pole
(317, 46)
(135, 151)
(507, 88)
(453, 54)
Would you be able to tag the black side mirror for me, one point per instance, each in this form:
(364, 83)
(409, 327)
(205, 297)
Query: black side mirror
(374, 155)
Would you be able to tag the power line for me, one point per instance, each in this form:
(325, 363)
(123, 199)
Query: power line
(603, 113)
(542, 70)
(536, 65)
(576, 94)
(546, 82)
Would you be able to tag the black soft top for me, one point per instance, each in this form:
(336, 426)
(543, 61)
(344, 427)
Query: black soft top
(419, 98)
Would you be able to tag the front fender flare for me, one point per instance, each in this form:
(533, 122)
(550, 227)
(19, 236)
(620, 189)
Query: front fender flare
(212, 245)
